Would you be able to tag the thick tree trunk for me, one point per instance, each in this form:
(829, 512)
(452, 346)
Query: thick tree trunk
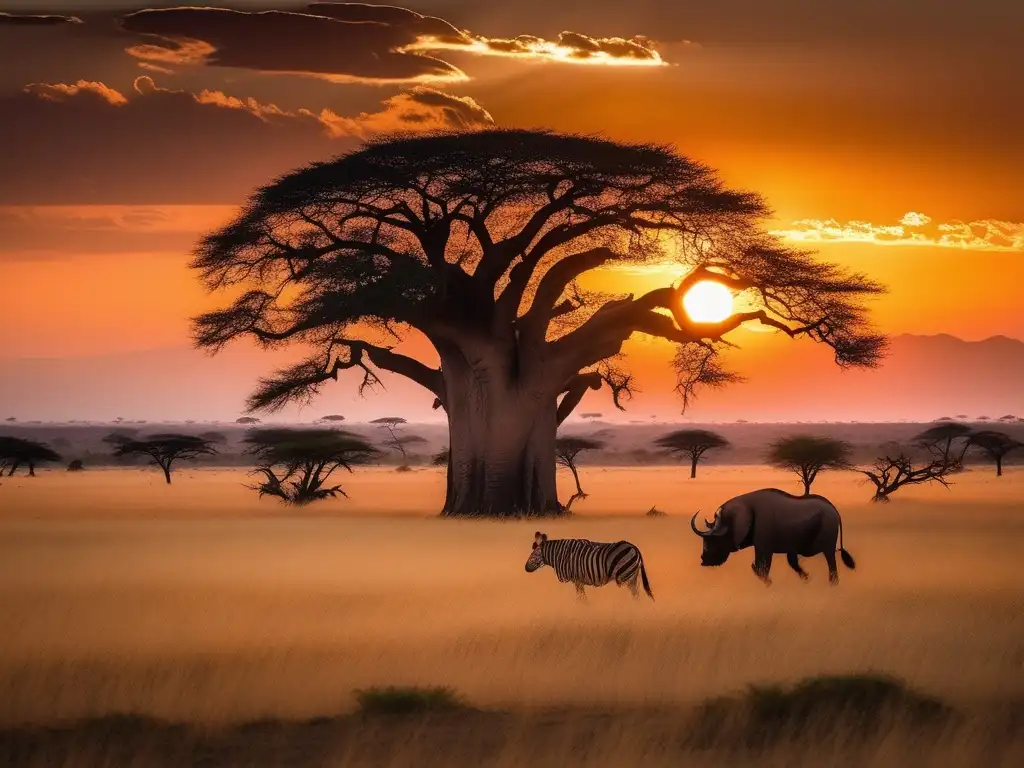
(501, 461)
(693, 467)
(999, 466)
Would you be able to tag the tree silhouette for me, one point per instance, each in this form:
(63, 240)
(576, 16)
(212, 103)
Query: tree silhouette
(395, 440)
(16, 451)
(995, 445)
(164, 449)
(440, 459)
(214, 437)
(333, 417)
(940, 441)
(566, 451)
(807, 455)
(472, 242)
(691, 443)
(295, 463)
(899, 466)
(247, 420)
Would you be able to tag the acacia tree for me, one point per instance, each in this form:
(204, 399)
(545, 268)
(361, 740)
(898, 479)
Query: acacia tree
(807, 455)
(395, 440)
(16, 451)
(994, 445)
(691, 443)
(163, 450)
(296, 463)
(471, 244)
(941, 441)
(899, 466)
(566, 451)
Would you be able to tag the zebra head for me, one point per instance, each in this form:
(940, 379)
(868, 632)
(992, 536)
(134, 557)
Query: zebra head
(536, 559)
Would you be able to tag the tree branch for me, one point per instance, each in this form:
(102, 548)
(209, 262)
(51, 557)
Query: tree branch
(301, 382)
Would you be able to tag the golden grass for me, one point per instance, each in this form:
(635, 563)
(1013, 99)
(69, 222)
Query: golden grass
(197, 603)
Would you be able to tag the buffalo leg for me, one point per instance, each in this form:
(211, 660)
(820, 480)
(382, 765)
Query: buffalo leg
(833, 571)
(762, 565)
(794, 563)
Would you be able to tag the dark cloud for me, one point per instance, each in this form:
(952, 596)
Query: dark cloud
(30, 20)
(88, 143)
(358, 42)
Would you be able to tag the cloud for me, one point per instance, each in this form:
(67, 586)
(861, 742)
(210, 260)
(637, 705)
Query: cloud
(34, 20)
(570, 47)
(913, 229)
(346, 42)
(62, 91)
(353, 43)
(89, 143)
(55, 231)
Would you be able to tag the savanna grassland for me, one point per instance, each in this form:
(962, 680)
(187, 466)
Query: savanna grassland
(197, 608)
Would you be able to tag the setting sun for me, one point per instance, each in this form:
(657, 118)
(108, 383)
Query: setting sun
(708, 302)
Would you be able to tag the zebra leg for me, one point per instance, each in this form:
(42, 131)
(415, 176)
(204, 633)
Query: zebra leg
(634, 588)
(580, 593)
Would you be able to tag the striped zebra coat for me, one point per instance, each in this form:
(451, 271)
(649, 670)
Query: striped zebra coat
(590, 563)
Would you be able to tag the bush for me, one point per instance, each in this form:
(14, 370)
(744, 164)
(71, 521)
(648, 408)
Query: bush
(76, 466)
(815, 709)
(405, 701)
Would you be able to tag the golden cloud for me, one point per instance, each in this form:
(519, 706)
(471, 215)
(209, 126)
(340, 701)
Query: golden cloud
(418, 109)
(913, 229)
(61, 91)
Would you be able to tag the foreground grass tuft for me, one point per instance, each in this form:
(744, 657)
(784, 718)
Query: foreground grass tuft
(816, 708)
(407, 700)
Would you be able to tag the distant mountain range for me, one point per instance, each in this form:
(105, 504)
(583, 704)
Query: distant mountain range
(924, 378)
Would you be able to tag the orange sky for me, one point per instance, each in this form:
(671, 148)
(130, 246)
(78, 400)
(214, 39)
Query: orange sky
(890, 148)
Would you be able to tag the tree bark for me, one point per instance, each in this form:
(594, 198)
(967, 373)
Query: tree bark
(167, 472)
(999, 466)
(693, 467)
(501, 461)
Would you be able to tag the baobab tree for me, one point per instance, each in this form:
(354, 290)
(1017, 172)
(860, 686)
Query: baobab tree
(163, 449)
(807, 455)
(994, 445)
(471, 244)
(692, 444)
(566, 451)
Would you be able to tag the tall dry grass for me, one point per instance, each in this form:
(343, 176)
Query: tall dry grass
(196, 603)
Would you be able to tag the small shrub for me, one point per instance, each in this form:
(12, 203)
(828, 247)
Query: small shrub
(403, 468)
(76, 466)
(814, 709)
(407, 700)
(655, 512)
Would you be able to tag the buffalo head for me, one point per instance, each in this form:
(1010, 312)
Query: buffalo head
(726, 534)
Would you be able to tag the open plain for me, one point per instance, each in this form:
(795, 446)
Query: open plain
(198, 604)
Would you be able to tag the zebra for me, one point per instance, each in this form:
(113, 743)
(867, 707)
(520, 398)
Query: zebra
(590, 563)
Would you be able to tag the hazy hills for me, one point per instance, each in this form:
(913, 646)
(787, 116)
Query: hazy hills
(925, 377)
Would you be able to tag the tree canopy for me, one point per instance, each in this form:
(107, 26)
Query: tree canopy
(163, 449)
(691, 443)
(18, 451)
(566, 451)
(807, 455)
(296, 463)
(994, 445)
(494, 227)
